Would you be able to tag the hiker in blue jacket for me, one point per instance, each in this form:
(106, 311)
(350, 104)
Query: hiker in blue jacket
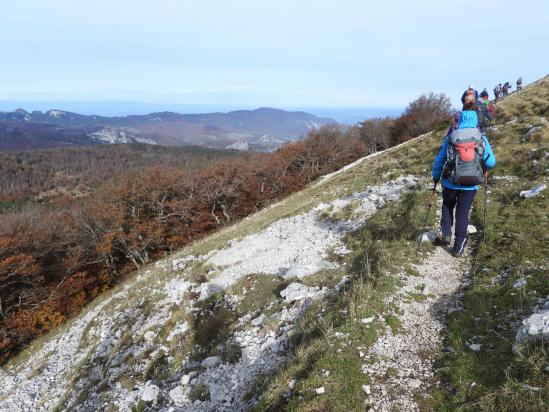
(455, 196)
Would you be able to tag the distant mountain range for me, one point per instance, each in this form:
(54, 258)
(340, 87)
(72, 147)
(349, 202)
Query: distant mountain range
(261, 129)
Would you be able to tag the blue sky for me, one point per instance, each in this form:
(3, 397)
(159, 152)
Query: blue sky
(280, 53)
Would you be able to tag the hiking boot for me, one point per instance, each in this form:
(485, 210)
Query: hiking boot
(459, 250)
(443, 240)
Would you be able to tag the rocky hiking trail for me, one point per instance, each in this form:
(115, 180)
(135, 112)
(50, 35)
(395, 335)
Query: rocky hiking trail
(401, 363)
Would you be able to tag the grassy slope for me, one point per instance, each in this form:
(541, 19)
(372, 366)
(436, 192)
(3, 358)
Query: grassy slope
(496, 379)
(385, 247)
(517, 245)
(381, 250)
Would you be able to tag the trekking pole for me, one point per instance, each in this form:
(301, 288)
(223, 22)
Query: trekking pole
(485, 235)
(428, 211)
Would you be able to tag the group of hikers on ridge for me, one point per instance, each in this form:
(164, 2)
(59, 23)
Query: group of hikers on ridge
(461, 164)
(500, 92)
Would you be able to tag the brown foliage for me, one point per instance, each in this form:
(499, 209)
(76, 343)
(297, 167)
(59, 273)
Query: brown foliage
(56, 257)
(422, 115)
(376, 133)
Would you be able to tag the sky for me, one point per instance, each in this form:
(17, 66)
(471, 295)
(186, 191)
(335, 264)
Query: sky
(253, 53)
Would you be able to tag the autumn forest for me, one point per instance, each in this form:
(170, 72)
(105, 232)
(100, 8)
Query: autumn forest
(74, 222)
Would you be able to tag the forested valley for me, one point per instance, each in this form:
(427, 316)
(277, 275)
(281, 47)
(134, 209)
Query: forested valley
(74, 222)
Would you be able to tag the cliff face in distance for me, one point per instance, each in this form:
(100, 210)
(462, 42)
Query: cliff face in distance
(325, 301)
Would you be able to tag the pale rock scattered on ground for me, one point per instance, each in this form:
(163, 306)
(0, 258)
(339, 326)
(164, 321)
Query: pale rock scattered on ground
(211, 362)
(475, 347)
(150, 392)
(259, 320)
(427, 236)
(297, 291)
(536, 326)
(520, 283)
(535, 191)
(177, 395)
(185, 379)
(180, 329)
(149, 336)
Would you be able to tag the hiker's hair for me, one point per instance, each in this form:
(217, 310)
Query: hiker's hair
(468, 105)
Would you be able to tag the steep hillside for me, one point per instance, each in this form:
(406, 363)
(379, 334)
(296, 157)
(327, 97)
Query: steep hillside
(325, 301)
(261, 129)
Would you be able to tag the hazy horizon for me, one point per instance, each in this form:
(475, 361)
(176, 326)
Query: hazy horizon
(346, 115)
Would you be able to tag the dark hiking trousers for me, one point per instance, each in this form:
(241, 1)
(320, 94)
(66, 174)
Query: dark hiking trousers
(461, 201)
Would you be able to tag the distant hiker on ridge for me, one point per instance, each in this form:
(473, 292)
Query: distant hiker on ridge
(505, 89)
(461, 160)
(485, 110)
(519, 84)
(497, 92)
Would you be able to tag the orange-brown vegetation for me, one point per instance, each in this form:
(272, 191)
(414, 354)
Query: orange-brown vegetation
(56, 257)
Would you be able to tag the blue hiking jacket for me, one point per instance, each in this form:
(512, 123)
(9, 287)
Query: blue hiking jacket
(468, 119)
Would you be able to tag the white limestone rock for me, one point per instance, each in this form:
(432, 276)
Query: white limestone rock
(535, 191)
(250, 354)
(534, 327)
(185, 379)
(475, 347)
(428, 236)
(217, 394)
(180, 329)
(176, 289)
(150, 392)
(177, 395)
(414, 383)
(149, 336)
(298, 291)
(259, 320)
(520, 283)
(179, 264)
(211, 362)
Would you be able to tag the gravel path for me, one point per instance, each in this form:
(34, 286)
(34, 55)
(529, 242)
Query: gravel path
(400, 364)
